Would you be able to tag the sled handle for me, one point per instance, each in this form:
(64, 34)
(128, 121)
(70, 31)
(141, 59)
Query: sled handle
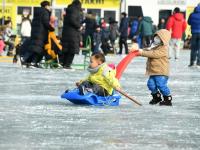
(127, 96)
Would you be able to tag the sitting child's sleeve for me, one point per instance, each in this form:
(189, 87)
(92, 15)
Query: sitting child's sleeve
(109, 75)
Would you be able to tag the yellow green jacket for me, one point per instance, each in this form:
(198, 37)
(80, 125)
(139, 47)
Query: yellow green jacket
(104, 77)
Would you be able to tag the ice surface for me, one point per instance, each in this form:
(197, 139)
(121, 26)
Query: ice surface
(33, 116)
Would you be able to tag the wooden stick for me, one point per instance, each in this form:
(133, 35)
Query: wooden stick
(127, 96)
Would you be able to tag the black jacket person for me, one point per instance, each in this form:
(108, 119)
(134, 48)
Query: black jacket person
(71, 33)
(39, 33)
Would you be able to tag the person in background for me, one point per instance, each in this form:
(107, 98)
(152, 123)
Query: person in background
(176, 24)
(97, 39)
(123, 29)
(7, 37)
(162, 24)
(98, 19)
(25, 27)
(60, 25)
(53, 47)
(114, 33)
(134, 27)
(2, 20)
(103, 23)
(105, 46)
(90, 26)
(71, 33)
(187, 42)
(40, 28)
(194, 22)
(138, 34)
(2, 44)
(158, 67)
(146, 31)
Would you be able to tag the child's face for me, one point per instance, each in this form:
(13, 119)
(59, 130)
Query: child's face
(157, 40)
(94, 62)
(9, 24)
(98, 29)
(163, 20)
(48, 7)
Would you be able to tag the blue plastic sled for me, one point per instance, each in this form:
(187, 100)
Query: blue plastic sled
(91, 98)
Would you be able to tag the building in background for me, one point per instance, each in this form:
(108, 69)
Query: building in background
(15, 8)
(103, 8)
(157, 9)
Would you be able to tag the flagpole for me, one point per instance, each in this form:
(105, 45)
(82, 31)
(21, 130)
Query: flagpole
(3, 11)
(52, 7)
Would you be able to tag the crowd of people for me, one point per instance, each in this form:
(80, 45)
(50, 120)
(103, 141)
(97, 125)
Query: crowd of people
(77, 26)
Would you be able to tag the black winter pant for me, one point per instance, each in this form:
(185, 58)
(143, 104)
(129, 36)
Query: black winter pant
(34, 54)
(67, 59)
(32, 57)
(195, 49)
(123, 41)
(94, 88)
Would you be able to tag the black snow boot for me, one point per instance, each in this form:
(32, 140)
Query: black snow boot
(156, 98)
(167, 101)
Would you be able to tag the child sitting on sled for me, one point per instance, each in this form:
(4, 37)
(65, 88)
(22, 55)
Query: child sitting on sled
(101, 79)
(158, 67)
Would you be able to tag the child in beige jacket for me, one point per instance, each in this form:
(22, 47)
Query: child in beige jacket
(157, 67)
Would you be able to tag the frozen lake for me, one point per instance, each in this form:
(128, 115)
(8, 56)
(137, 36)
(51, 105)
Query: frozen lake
(33, 116)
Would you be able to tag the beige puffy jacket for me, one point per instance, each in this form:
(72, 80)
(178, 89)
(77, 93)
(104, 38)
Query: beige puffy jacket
(158, 62)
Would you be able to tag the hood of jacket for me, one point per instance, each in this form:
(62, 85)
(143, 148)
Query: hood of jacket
(179, 16)
(75, 5)
(164, 35)
(197, 9)
(41, 10)
(147, 19)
